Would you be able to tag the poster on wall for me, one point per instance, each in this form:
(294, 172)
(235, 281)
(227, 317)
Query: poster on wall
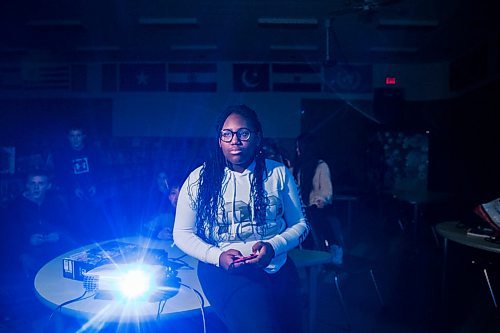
(405, 160)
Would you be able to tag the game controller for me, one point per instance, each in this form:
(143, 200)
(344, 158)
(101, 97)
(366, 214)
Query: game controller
(242, 259)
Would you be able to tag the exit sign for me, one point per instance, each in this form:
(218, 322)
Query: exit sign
(390, 80)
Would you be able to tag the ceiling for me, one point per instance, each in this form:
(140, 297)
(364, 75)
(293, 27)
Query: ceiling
(355, 31)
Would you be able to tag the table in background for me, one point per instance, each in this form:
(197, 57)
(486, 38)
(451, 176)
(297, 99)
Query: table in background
(452, 230)
(418, 199)
(349, 200)
(53, 289)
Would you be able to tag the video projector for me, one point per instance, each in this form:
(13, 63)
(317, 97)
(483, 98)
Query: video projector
(132, 281)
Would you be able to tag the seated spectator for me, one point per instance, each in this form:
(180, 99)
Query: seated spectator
(78, 166)
(41, 220)
(157, 196)
(80, 173)
(161, 225)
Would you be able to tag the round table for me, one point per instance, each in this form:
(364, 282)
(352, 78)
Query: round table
(453, 231)
(53, 290)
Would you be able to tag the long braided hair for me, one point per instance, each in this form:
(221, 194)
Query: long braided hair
(210, 199)
(306, 163)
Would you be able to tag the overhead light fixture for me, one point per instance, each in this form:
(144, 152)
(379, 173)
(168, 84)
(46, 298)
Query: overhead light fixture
(12, 50)
(98, 48)
(280, 21)
(193, 47)
(169, 21)
(277, 47)
(390, 49)
(55, 23)
(408, 23)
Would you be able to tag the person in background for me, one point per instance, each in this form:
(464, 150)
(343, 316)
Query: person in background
(41, 218)
(273, 151)
(80, 173)
(162, 224)
(313, 176)
(156, 201)
(239, 204)
(78, 167)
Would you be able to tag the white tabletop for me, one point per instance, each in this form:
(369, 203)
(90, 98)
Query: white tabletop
(53, 289)
(450, 230)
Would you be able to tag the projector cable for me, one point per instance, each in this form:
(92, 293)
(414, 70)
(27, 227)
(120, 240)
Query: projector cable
(59, 307)
(161, 305)
(202, 304)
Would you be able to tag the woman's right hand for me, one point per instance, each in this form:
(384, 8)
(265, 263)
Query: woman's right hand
(227, 257)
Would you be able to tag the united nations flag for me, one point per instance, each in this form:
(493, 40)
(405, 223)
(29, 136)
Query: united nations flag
(349, 79)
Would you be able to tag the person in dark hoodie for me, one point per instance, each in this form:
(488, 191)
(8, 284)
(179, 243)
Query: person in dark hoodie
(42, 220)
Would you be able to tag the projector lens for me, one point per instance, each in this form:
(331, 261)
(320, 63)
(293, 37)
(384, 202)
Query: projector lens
(135, 283)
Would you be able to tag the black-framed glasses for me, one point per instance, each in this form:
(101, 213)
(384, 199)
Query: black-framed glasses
(243, 134)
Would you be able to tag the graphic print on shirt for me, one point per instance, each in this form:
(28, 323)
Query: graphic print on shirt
(238, 224)
(80, 165)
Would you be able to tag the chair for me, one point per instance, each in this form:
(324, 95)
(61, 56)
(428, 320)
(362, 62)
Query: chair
(353, 265)
(312, 261)
(484, 265)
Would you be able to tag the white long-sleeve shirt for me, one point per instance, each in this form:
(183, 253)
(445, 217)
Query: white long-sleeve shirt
(285, 226)
(322, 189)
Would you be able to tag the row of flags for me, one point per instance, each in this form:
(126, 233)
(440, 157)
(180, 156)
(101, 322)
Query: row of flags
(191, 77)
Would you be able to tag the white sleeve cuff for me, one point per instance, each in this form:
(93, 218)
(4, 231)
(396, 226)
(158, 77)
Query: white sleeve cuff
(212, 256)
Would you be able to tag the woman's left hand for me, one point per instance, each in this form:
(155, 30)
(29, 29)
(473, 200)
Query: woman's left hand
(265, 254)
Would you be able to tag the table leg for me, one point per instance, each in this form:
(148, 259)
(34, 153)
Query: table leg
(490, 288)
(444, 272)
(349, 217)
(313, 291)
(415, 221)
